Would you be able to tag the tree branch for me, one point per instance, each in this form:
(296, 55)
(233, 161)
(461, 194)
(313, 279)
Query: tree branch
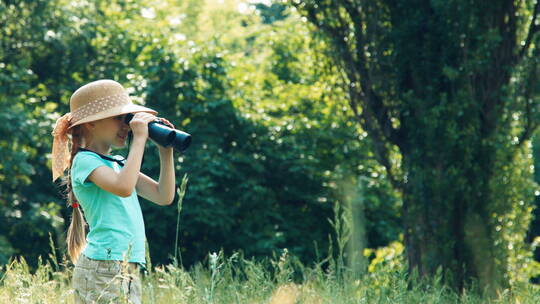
(530, 126)
(533, 28)
(374, 117)
(373, 100)
(381, 150)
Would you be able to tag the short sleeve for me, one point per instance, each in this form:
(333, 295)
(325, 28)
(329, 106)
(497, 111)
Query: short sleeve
(83, 165)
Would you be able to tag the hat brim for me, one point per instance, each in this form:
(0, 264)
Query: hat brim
(120, 110)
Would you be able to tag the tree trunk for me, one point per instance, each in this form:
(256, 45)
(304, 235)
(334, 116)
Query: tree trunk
(445, 224)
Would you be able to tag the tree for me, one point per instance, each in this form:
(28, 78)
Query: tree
(449, 89)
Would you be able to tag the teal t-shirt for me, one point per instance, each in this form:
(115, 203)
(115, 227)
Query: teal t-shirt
(114, 221)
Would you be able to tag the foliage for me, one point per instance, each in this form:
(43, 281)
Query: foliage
(272, 139)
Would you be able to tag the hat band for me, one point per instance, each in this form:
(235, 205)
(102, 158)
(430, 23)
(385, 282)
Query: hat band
(99, 105)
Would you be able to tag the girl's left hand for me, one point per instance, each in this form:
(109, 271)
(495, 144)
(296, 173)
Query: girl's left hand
(168, 123)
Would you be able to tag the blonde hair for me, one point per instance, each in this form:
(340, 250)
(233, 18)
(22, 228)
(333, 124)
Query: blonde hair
(76, 234)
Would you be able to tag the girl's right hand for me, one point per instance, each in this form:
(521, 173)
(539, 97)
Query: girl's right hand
(139, 124)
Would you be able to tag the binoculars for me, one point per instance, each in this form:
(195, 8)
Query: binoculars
(164, 135)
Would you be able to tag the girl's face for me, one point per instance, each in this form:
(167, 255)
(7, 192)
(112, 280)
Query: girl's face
(111, 131)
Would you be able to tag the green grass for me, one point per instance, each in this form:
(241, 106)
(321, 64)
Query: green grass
(234, 279)
(279, 280)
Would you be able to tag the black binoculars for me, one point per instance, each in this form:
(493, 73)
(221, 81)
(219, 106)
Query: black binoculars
(165, 135)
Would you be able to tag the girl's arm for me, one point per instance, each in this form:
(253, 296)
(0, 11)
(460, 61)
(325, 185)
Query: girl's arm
(161, 193)
(124, 182)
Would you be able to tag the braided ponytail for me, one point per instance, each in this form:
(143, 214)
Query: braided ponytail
(76, 234)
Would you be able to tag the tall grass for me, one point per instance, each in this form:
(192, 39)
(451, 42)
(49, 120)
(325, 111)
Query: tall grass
(236, 279)
(181, 192)
(282, 279)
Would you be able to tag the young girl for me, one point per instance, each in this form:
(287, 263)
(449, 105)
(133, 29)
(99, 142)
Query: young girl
(107, 260)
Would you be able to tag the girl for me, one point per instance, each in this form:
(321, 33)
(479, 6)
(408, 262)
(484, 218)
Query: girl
(107, 262)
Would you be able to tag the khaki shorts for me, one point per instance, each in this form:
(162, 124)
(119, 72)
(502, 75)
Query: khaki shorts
(104, 281)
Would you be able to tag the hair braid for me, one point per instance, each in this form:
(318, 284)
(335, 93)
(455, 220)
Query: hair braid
(76, 234)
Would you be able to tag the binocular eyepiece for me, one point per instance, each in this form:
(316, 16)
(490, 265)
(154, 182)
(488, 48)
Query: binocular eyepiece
(165, 135)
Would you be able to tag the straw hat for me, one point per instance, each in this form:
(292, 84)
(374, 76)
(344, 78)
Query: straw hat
(93, 101)
(101, 99)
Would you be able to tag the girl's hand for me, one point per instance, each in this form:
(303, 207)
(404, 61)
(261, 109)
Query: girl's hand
(139, 124)
(168, 123)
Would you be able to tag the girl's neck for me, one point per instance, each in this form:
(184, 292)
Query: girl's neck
(100, 148)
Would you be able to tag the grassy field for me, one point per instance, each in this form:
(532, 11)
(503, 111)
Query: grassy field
(235, 279)
(279, 280)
